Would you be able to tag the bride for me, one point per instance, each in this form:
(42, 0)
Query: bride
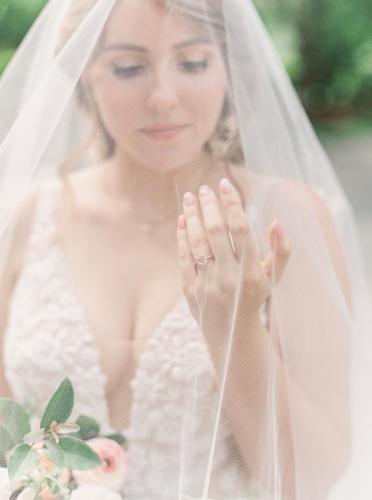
(189, 265)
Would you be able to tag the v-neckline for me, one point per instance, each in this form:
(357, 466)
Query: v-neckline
(172, 311)
(61, 268)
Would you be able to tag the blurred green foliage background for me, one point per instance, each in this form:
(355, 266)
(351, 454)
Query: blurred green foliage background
(326, 46)
(16, 17)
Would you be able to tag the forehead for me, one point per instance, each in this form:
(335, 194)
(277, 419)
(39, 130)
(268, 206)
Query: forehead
(149, 23)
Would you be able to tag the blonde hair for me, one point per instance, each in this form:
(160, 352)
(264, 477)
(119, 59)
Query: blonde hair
(224, 144)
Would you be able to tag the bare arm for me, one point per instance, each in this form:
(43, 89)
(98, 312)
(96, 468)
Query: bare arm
(323, 423)
(320, 423)
(13, 246)
(6, 287)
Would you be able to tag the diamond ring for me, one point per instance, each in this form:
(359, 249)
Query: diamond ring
(202, 260)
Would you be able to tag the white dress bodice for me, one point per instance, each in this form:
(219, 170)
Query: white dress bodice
(48, 338)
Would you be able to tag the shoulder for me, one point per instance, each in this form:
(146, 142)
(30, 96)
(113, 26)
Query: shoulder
(15, 241)
(306, 200)
(294, 201)
(307, 197)
(25, 208)
(294, 193)
(22, 218)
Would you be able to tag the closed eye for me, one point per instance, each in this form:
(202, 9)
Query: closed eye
(127, 71)
(194, 66)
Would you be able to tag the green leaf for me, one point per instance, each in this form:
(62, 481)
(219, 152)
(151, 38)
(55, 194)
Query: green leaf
(6, 444)
(67, 428)
(116, 437)
(89, 428)
(34, 436)
(77, 454)
(22, 461)
(60, 405)
(56, 452)
(15, 419)
(55, 489)
(29, 405)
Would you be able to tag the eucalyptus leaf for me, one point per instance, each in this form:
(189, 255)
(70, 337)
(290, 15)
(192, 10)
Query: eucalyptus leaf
(22, 461)
(29, 405)
(15, 419)
(34, 436)
(77, 454)
(118, 438)
(67, 428)
(89, 428)
(6, 444)
(55, 489)
(60, 405)
(56, 452)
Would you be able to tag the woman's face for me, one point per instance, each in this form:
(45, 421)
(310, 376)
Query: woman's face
(159, 84)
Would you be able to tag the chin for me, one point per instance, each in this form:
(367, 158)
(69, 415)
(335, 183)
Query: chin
(165, 166)
(169, 160)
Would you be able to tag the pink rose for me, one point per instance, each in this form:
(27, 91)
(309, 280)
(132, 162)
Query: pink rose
(111, 474)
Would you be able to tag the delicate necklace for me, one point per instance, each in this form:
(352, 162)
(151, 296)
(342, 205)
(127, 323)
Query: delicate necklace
(149, 226)
(146, 226)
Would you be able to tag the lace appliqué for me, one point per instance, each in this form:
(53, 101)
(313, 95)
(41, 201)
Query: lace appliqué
(47, 337)
(174, 391)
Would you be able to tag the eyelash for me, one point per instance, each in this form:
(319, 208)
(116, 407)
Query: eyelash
(195, 66)
(126, 71)
(191, 67)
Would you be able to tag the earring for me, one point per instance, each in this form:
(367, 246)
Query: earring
(225, 138)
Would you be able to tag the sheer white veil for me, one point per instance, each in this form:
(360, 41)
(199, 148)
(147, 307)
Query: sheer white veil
(305, 432)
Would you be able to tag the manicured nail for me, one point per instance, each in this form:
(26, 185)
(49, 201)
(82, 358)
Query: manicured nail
(203, 190)
(226, 186)
(189, 199)
(181, 222)
(279, 231)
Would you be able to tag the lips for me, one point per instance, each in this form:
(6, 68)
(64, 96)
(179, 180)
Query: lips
(164, 131)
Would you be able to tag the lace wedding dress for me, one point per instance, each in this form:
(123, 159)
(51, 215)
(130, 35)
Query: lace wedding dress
(48, 338)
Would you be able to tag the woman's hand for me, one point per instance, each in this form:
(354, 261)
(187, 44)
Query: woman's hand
(234, 269)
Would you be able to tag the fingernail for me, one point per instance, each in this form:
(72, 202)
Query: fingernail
(181, 222)
(189, 199)
(226, 186)
(279, 231)
(203, 190)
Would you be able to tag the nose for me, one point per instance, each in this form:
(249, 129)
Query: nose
(162, 95)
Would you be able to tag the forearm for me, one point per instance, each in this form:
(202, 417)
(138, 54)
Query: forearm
(259, 394)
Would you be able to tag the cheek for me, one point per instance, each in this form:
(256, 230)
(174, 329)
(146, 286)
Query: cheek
(119, 108)
(213, 97)
(205, 99)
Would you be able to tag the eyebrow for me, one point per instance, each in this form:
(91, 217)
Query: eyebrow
(138, 48)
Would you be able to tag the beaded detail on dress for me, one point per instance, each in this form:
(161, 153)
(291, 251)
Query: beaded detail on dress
(48, 338)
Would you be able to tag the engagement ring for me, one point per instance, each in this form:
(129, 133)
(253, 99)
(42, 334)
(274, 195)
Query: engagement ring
(202, 260)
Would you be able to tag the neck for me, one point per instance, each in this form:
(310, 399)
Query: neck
(152, 194)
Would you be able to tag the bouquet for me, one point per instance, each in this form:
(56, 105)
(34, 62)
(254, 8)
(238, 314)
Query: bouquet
(55, 459)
